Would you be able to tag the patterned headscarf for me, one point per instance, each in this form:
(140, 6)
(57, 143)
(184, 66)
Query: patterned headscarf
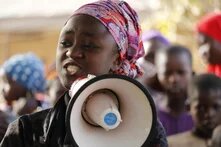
(210, 25)
(122, 22)
(26, 69)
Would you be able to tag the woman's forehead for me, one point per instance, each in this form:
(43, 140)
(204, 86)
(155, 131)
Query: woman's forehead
(85, 23)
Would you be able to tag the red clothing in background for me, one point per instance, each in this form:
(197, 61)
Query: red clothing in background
(214, 69)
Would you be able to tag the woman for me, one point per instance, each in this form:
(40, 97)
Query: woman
(99, 38)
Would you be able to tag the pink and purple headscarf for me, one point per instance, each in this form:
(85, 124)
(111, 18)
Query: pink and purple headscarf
(122, 22)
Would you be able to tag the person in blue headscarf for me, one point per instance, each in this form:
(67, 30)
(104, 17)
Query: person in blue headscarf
(23, 83)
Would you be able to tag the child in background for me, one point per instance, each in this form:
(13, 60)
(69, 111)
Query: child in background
(153, 41)
(205, 107)
(174, 71)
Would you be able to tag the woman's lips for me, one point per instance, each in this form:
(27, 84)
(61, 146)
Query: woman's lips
(72, 69)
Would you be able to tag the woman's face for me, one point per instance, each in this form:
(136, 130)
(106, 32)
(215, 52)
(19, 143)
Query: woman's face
(209, 49)
(206, 111)
(85, 47)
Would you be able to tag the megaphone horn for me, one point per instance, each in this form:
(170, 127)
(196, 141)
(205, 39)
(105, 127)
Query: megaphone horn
(110, 111)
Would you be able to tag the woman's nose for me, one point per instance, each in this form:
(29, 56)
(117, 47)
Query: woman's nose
(74, 53)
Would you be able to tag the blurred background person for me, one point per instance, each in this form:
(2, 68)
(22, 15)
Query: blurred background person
(209, 40)
(22, 84)
(174, 71)
(54, 87)
(205, 108)
(54, 91)
(153, 40)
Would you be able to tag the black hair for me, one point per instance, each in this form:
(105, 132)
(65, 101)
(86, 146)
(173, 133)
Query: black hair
(203, 82)
(175, 50)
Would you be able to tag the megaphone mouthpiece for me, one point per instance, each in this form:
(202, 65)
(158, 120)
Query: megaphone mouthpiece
(101, 109)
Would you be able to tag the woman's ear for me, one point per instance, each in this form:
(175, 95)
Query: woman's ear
(116, 62)
(117, 59)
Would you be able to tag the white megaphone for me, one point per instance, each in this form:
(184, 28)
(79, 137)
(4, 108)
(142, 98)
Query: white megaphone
(110, 111)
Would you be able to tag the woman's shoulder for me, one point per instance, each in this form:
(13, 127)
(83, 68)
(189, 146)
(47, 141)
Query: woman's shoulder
(40, 115)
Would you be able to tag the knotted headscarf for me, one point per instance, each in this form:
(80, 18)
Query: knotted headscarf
(27, 70)
(210, 25)
(122, 22)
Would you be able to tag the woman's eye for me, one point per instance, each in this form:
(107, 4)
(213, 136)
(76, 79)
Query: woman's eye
(89, 47)
(66, 44)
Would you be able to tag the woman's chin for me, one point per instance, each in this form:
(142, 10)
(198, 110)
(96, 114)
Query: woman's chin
(68, 85)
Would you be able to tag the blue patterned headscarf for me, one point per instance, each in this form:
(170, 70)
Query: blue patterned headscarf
(26, 69)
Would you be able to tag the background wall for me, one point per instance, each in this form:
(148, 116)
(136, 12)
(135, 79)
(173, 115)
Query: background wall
(42, 43)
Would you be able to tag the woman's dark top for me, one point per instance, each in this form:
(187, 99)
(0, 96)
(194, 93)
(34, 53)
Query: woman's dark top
(47, 129)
